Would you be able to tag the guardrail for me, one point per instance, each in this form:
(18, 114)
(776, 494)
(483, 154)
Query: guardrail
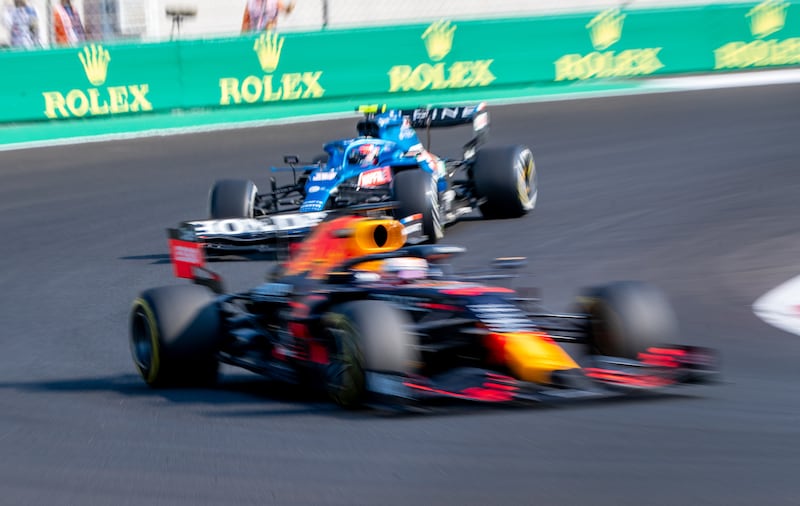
(99, 81)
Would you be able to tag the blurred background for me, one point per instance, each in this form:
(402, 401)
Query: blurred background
(158, 20)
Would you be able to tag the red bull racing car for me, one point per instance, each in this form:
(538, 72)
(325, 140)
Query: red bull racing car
(359, 314)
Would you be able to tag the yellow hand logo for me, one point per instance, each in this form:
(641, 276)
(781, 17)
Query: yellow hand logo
(95, 63)
(767, 17)
(605, 29)
(439, 39)
(268, 47)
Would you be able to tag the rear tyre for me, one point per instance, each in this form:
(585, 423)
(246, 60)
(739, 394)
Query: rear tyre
(232, 198)
(174, 335)
(505, 177)
(626, 318)
(416, 193)
(366, 335)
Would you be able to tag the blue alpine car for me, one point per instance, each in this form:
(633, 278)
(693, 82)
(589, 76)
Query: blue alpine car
(387, 162)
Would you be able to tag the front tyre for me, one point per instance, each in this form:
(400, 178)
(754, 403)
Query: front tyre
(174, 334)
(416, 193)
(232, 198)
(366, 335)
(506, 181)
(626, 318)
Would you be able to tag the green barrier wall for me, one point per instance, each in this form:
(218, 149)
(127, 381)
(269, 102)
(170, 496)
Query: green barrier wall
(115, 80)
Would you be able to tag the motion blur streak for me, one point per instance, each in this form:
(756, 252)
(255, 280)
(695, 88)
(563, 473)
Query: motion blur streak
(696, 192)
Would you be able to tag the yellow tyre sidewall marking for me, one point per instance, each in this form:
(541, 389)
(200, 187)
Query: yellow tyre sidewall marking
(155, 360)
(523, 177)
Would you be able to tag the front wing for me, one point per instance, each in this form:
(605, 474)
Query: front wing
(659, 370)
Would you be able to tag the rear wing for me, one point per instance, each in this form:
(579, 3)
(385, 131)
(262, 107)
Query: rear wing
(188, 259)
(191, 243)
(433, 117)
(273, 237)
(265, 235)
(438, 117)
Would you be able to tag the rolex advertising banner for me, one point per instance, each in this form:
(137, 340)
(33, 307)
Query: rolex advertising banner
(112, 80)
(88, 82)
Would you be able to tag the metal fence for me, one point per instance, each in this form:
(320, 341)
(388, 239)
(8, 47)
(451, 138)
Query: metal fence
(156, 20)
(69, 23)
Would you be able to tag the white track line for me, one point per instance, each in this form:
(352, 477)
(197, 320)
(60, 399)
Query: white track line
(734, 80)
(780, 307)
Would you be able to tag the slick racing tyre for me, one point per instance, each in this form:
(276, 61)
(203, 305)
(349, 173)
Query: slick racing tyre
(626, 318)
(415, 192)
(366, 335)
(505, 179)
(232, 198)
(174, 333)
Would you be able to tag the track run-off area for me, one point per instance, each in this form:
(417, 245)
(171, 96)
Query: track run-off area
(696, 192)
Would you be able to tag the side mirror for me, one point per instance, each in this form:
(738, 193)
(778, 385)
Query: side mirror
(291, 160)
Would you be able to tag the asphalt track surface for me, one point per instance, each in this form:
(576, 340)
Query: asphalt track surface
(697, 192)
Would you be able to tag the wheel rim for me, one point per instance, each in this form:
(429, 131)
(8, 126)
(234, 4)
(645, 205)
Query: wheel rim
(526, 180)
(436, 223)
(251, 202)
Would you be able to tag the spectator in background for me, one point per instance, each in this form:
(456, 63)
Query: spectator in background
(67, 24)
(261, 15)
(93, 17)
(23, 23)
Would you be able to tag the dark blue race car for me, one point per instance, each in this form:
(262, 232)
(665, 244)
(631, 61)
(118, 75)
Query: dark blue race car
(386, 162)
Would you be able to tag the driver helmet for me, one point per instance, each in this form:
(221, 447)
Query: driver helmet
(404, 269)
(364, 155)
